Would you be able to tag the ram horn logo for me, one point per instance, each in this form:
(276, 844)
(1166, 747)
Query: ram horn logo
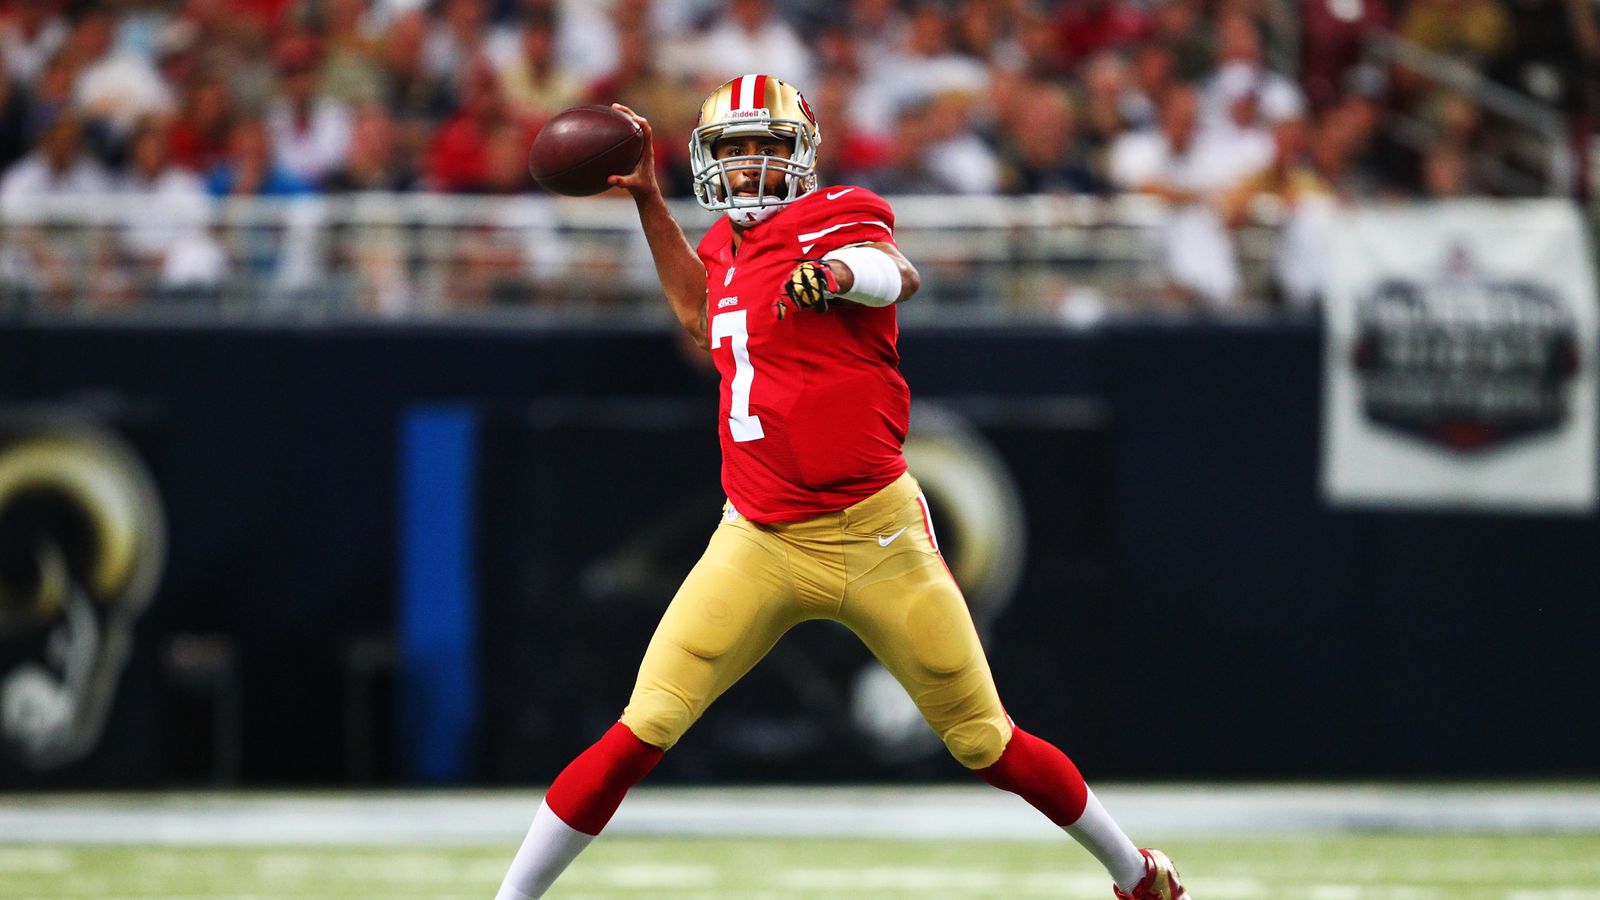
(81, 549)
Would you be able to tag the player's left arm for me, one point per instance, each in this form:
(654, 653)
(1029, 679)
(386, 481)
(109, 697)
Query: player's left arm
(871, 273)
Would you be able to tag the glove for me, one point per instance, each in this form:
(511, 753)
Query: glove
(809, 286)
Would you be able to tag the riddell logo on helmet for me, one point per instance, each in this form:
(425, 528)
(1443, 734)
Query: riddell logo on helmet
(761, 114)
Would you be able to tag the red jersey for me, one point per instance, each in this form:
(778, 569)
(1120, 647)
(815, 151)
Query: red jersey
(813, 410)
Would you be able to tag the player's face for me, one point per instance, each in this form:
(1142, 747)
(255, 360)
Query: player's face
(744, 178)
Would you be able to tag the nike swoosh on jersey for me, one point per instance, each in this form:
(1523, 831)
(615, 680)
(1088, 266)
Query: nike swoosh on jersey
(834, 195)
(886, 541)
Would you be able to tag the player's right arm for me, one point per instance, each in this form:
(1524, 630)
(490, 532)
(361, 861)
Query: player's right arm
(683, 276)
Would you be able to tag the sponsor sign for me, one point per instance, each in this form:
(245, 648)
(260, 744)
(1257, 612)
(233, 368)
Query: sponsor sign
(1460, 358)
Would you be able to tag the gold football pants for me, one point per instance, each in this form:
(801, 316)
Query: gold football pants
(873, 567)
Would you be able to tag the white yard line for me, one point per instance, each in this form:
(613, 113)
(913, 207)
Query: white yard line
(935, 813)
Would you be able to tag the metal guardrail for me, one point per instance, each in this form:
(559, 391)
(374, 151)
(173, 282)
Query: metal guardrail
(419, 255)
(1543, 123)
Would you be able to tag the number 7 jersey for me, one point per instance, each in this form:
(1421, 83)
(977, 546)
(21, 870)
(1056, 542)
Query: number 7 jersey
(813, 410)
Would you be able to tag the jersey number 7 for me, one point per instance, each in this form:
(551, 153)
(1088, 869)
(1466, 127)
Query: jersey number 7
(741, 425)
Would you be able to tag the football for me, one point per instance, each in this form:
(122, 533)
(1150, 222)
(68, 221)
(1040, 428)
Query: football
(581, 147)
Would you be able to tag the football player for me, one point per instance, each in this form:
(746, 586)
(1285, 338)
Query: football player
(793, 292)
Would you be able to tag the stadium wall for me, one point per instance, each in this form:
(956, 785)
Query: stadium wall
(1182, 574)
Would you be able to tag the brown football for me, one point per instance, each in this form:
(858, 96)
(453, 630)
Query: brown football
(581, 147)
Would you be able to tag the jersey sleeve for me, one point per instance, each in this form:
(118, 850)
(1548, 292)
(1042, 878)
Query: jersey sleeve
(845, 216)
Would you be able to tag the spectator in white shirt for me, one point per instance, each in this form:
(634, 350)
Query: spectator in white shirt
(750, 37)
(169, 211)
(926, 66)
(30, 34)
(1240, 69)
(1190, 168)
(57, 178)
(115, 87)
(310, 132)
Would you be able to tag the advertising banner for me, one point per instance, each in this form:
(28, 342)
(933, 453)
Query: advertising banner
(1460, 358)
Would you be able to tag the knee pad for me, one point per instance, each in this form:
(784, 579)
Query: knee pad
(658, 717)
(977, 743)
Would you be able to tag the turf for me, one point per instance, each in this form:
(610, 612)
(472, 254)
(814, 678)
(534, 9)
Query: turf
(1364, 867)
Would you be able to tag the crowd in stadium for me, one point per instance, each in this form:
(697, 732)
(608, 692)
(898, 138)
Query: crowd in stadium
(1185, 99)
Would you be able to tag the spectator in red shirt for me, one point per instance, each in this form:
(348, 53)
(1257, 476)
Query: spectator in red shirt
(1332, 36)
(458, 159)
(199, 137)
(1085, 27)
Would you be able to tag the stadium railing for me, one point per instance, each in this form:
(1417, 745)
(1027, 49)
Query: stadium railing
(405, 256)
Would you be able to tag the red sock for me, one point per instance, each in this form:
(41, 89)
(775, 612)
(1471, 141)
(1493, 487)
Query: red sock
(1040, 774)
(588, 791)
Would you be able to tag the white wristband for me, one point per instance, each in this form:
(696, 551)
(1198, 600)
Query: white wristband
(877, 277)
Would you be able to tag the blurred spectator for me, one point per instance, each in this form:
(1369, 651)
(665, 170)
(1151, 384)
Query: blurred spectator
(58, 167)
(199, 135)
(1086, 27)
(847, 154)
(1154, 70)
(248, 169)
(1181, 31)
(352, 67)
(1307, 201)
(750, 37)
(505, 161)
(1041, 149)
(377, 161)
(166, 233)
(1111, 100)
(310, 131)
(986, 30)
(906, 168)
(536, 85)
(880, 25)
(1470, 31)
(31, 33)
(52, 94)
(1332, 36)
(924, 66)
(457, 159)
(58, 170)
(1242, 136)
(269, 14)
(115, 88)
(1190, 168)
(239, 49)
(955, 153)
(140, 26)
(414, 94)
(457, 41)
(1241, 71)
(672, 109)
(925, 158)
(16, 119)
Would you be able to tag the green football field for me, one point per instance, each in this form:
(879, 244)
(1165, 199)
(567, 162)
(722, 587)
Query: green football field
(1324, 867)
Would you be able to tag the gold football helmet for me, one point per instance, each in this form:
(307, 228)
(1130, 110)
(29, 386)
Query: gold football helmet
(754, 105)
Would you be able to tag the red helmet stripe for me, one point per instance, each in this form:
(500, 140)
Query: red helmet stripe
(733, 93)
(760, 93)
